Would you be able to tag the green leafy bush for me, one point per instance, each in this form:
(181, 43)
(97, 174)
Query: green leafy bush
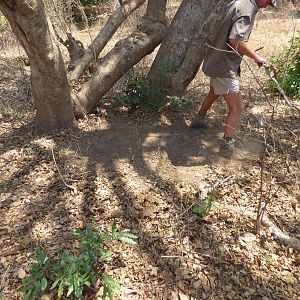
(287, 65)
(138, 93)
(71, 274)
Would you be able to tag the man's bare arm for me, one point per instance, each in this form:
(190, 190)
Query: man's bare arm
(244, 49)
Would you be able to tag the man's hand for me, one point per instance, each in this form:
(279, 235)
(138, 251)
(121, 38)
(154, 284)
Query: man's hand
(260, 61)
(244, 49)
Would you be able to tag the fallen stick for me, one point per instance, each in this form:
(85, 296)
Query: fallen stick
(58, 170)
(277, 232)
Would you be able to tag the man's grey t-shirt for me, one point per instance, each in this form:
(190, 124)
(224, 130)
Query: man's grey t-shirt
(237, 24)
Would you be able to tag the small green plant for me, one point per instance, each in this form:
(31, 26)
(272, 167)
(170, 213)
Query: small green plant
(36, 282)
(110, 286)
(73, 274)
(268, 258)
(138, 93)
(176, 102)
(203, 206)
(288, 66)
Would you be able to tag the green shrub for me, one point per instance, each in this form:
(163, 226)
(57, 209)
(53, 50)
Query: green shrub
(71, 274)
(287, 65)
(138, 93)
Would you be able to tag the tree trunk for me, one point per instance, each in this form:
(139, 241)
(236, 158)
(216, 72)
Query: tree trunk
(125, 55)
(181, 53)
(50, 88)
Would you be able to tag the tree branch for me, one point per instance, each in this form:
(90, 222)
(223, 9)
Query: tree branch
(277, 232)
(103, 37)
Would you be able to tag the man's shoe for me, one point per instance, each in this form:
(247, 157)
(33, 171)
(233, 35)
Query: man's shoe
(227, 147)
(199, 121)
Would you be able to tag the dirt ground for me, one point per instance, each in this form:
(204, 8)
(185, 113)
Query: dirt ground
(146, 171)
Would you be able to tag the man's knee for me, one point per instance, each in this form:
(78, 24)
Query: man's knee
(235, 103)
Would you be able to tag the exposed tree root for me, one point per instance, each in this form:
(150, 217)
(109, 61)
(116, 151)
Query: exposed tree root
(277, 232)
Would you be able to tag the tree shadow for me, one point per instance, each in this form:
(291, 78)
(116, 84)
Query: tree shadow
(139, 145)
(134, 150)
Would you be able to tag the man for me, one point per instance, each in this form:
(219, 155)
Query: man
(222, 65)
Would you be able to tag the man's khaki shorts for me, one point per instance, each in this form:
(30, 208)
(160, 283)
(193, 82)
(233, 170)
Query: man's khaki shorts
(223, 86)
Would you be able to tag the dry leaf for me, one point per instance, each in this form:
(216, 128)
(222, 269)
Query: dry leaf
(153, 271)
(182, 296)
(21, 273)
(197, 284)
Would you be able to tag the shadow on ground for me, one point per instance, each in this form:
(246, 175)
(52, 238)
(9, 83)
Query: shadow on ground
(146, 167)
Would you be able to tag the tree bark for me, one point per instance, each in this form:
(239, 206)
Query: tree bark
(181, 53)
(125, 55)
(156, 11)
(49, 84)
(93, 51)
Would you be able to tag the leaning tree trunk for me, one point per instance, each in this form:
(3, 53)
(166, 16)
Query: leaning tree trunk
(183, 49)
(50, 88)
(123, 56)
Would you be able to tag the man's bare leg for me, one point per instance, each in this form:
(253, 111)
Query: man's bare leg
(236, 108)
(208, 102)
(200, 119)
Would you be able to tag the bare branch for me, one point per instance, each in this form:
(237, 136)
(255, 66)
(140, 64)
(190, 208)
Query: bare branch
(103, 37)
(277, 232)
(58, 170)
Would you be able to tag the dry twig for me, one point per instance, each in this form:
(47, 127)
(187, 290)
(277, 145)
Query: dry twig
(58, 170)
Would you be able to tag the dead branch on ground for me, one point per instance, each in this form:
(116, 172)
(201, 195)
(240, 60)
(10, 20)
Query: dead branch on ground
(276, 231)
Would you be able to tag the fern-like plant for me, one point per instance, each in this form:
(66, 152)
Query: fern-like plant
(72, 274)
